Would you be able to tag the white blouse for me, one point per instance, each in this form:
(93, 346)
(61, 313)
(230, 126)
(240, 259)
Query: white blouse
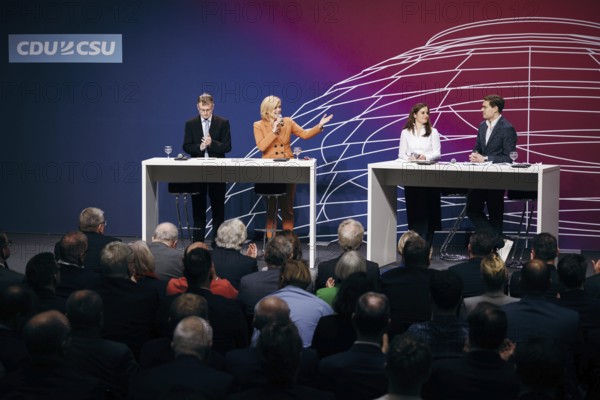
(429, 146)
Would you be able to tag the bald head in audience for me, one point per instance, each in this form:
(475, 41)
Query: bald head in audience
(46, 334)
(192, 336)
(271, 310)
(73, 247)
(535, 277)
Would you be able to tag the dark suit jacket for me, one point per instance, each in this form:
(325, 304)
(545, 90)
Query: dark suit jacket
(220, 134)
(502, 141)
(534, 315)
(110, 362)
(168, 262)
(592, 286)
(74, 278)
(326, 269)
(294, 392)
(96, 243)
(245, 368)
(407, 288)
(185, 371)
(129, 312)
(556, 285)
(354, 374)
(589, 314)
(232, 265)
(470, 273)
(333, 334)
(13, 353)
(255, 286)
(159, 351)
(9, 277)
(477, 375)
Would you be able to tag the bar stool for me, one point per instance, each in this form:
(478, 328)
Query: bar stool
(444, 254)
(270, 191)
(183, 190)
(529, 198)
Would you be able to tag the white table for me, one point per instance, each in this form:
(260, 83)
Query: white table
(253, 170)
(384, 177)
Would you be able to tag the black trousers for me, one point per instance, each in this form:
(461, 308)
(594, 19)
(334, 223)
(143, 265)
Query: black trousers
(423, 210)
(477, 199)
(216, 193)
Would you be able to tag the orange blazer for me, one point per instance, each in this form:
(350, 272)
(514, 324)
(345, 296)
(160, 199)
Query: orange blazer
(278, 146)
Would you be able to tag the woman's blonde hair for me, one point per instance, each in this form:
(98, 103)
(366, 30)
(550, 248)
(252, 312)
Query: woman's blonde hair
(268, 105)
(405, 236)
(493, 271)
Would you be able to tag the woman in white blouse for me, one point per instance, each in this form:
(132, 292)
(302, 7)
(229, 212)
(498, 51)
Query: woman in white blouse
(419, 141)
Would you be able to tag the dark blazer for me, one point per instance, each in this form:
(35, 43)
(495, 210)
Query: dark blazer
(110, 362)
(470, 273)
(129, 312)
(8, 277)
(232, 265)
(477, 375)
(244, 366)
(185, 371)
(589, 314)
(556, 285)
(333, 334)
(592, 286)
(220, 134)
(534, 315)
(159, 351)
(255, 286)
(294, 392)
(502, 141)
(407, 288)
(96, 243)
(326, 269)
(355, 374)
(74, 278)
(13, 353)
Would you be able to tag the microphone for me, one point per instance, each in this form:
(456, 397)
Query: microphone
(281, 121)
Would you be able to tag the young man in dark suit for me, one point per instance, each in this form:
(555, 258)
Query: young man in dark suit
(496, 138)
(207, 135)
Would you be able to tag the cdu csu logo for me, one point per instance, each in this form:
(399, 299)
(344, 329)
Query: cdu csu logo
(65, 48)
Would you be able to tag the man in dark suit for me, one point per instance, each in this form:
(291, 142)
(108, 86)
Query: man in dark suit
(191, 344)
(15, 303)
(359, 372)
(545, 248)
(129, 308)
(350, 237)
(207, 135)
(73, 274)
(481, 373)
(407, 288)
(8, 277)
(110, 362)
(481, 243)
(92, 223)
(42, 276)
(257, 285)
(496, 138)
(168, 260)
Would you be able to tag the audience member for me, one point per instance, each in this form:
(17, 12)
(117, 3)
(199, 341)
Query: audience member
(218, 285)
(493, 275)
(279, 353)
(192, 340)
(350, 237)
(407, 288)
(545, 248)
(407, 367)
(228, 260)
(359, 372)
(129, 308)
(93, 224)
(5, 245)
(571, 272)
(350, 262)
(540, 363)
(110, 362)
(305, 307)
(482, 243)
(257, 285)
(481, 373)
(295, 241)
(334, 333)
(244, 364)
(73, 247)
(225, 315)
(446, 333)
(592, 283)
(168, 259)
(42, 277)
(15, 303)
(8, 277)
(402, 241)
(144, 269)
(46, 376)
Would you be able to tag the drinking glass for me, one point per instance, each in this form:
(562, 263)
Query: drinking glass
(513, 156)
(296, 151)
(168, 150)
